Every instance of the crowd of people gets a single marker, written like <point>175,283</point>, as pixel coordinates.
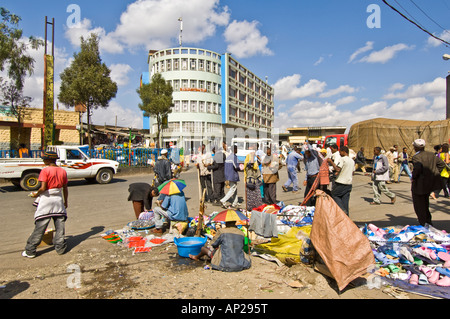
<point>330,169</point>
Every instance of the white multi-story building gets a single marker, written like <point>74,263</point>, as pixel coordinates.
<point>211,92</point>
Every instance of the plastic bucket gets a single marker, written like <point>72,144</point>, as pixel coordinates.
<point>189,245</point>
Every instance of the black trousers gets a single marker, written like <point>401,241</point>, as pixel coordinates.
<point>309,183</point>
<point>421,205</point>
<point>219,192</point>
<point>341,195</point>
<point>205,182</point>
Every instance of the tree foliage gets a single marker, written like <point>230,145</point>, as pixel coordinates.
<point>156,100</point>
<point>87,80</point>
<point>13,49</point>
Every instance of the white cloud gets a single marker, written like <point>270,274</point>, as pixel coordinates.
<point>319,61</point>
<point>396,86</point>
<point>340,89</point>
<point>345,100</point>
<point>107,42</point>
<point>444,35</point>
<point>119,73</point>
<point>34,84</point>
<point>288,88</point>
<point>245,40</point>
<point>367,47</point>
<point>125,117</point>
<point>386,54</point>
<point>434,88</point>
<point>153,24</point>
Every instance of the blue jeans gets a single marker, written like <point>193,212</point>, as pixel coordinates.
<point>292,177</point>
<point>404,167</point>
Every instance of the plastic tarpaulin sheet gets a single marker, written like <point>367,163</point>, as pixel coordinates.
<point>342,246</point>
<point>385,133</point>
<point>286,245</point>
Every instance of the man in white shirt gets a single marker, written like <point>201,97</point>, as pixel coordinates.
<point>336,157</point>
<point>204,160</point>
<point>343,183</point>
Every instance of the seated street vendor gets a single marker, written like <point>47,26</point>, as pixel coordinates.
<point>226,250</point>
<point>172,207</point>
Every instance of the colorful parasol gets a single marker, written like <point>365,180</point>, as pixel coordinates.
<point>173,186</point>
<point>229,215</point>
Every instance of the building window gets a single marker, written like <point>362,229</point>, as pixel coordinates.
<point>201,65</point>
<point>232,111</point>
<point>193,64</point>
<point>194,106</point>
<point>201,107</point>
<point>193,84</point>
<point>185,106</point>
<point>232,92</point>
<point>176,107</point>
<point>176,85</point>
<point>176,65</point>
<point>242,97</point>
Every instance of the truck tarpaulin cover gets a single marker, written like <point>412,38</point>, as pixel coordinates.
<point>385,133</point>
<point>344,249</point>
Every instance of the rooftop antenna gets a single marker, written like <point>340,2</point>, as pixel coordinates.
<point>181,30</point>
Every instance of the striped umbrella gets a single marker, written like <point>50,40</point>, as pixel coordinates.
<point>173,186</point>
<point>229,215</point>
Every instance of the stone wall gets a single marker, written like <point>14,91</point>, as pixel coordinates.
<point>66,132</point>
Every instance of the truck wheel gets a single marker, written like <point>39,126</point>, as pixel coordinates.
<point>30,182</point>
<point>104,176</point>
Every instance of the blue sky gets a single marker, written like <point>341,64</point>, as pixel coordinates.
<point>328,67</point>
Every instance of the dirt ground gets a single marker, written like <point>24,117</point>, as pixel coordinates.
<point>110,271</point>
<point>97,269</point>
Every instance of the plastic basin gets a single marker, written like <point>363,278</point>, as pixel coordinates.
<point>189,245</point>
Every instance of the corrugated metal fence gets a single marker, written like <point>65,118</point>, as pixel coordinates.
<point>138,157</point>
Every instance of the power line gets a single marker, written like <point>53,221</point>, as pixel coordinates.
<point>416,24</point>
<point>429,16</point>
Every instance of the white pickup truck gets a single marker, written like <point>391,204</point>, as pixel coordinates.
<point>24,172</point>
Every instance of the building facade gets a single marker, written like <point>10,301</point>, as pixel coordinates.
<point>29,132</point>
<point>211,93</point>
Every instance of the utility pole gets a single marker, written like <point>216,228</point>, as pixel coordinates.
<point>47,136</point>
<point>446,57</point>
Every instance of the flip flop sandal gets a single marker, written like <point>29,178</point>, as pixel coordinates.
<point>444,282</point>
<point>414,280</point>
<point>444,256</point>
<point>423,280</point>
<point>393,268</point>
<point>434,277</point>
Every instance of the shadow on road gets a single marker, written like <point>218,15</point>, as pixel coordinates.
<point>13,288</point>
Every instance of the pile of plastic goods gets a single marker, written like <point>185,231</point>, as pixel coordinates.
<point>417,255</point>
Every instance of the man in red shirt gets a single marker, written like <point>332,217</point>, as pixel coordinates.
<point>51,204</point>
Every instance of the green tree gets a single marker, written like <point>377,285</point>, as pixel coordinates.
<point>156,100</point>
<point>87,80</point>
<point>13,97</point>
<point>13,49</point>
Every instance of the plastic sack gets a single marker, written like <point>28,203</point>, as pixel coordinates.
<point>306,249</point>
<point>344,249</point>
<point>286,245</point>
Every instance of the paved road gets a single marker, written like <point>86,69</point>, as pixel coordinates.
<point>95,208</point>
